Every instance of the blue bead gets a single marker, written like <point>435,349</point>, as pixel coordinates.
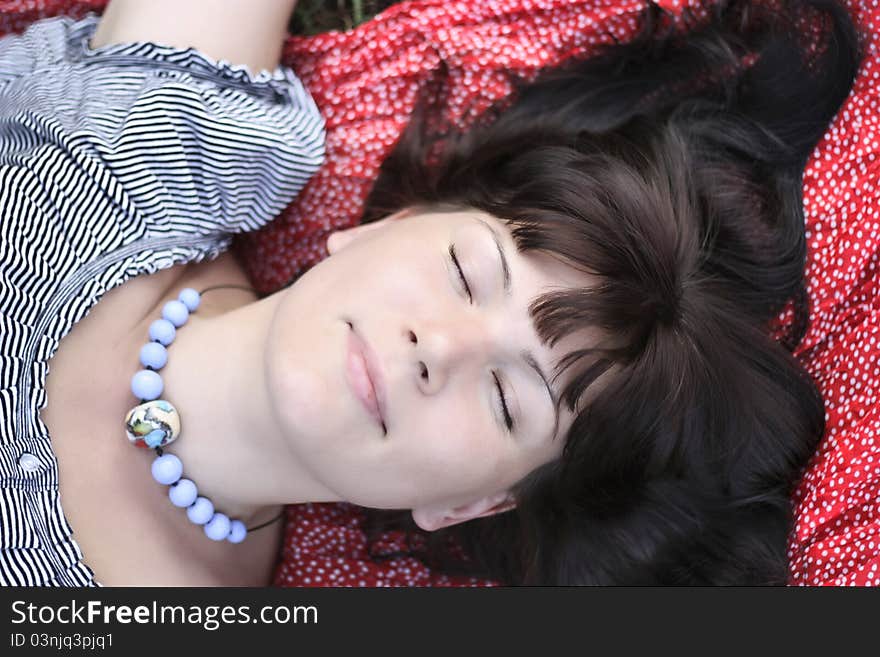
<point>154,355</point>
<point>201,511</point>
<point>167,469</point>
<point>217,528</point>
<point>162,331</point>
<point>190,298</point>
<point>176,313</point>
<point>237,531</point>
<point>147,385</point>
<point>183,493</point>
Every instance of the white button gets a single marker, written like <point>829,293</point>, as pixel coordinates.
<point>29,463</point>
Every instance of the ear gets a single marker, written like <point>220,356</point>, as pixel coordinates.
<point>430,519</point>
<point>339,239</point>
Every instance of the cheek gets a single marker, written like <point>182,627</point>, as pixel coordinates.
<point>457,448</point>
<point>466,453</point>
<point>405,274</point>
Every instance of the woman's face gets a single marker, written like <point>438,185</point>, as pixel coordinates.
<point>441,346</point>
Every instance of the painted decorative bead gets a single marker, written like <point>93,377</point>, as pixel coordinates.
<point>147,385</point>
<point>163,332</point>
<point>217,528</point>
<point>237,532</point>
<point>154,355</point>
<point>201,511</point>
<point>183,493</point>
<point>175,312</point>
<point>144,420</point>
<point>167,469</point>
<point>190,298</point>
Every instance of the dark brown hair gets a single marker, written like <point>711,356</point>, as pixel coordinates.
<point>671,169</point>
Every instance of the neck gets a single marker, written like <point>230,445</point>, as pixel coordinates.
<point>230,443</point>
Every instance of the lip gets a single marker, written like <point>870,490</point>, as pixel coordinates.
<point>365,377</point>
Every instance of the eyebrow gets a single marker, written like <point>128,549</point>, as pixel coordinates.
<point>525,354</point>
<point>505,266</point>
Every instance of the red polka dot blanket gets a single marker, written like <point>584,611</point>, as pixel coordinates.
<point>366,83</point>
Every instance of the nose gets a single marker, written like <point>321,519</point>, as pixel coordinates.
<point>443,347</point>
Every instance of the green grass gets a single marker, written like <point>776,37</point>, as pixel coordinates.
<point>314,16</point>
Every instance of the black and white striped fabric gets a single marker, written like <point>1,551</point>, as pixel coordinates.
<point>115,162</point>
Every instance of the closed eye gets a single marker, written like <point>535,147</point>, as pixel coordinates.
<point>508,420</point>
<point>467,288</point>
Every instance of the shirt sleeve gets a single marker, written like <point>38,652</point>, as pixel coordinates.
<point>188,140</point>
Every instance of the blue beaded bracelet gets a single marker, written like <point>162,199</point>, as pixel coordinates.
<point>155,423</point>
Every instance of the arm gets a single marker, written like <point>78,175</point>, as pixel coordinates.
<point>249,32</point>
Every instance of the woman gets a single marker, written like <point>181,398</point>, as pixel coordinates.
<point>428,386</point>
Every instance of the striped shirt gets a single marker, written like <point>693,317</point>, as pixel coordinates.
<point>115,162</point>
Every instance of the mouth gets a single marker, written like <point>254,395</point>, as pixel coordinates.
<point>365,378</point>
